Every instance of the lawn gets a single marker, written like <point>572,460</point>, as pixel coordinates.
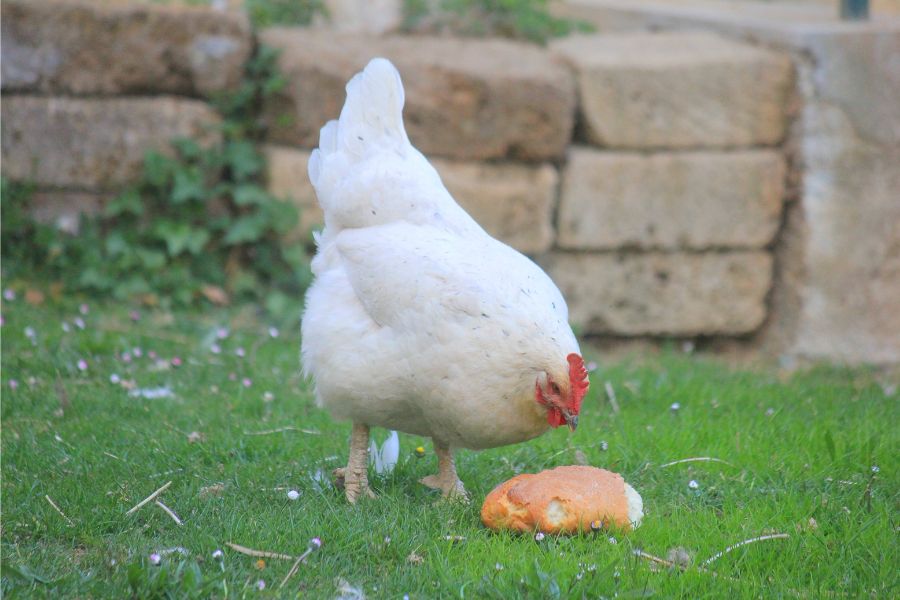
<point>811,455</point>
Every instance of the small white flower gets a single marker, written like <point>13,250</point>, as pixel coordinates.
<point>268,396</point>
<point>693,484</point>
<point>538,536</point>
<point>222,333</point>
<point>273,332</point>
<point>137,352</point>
<point>114,378</point>
<point>260,585</point>
<point>240,352</point>
<point>770,412</point>
<point>498,566</point>
<point>9,294</point>
<point>29,332</point>
<point>79,322</point>
<point>218,555</point>
<point>215,349</point>
<point>13,384</point>
<point>84,309</point>
<point>675,407</point>
<point>580,575</point>
<point>293,494</point>
<point>315,543</point>
<point>65,327</point>
<point>875,469</point>
<point>604,446</point>
<point>613,541</point>
<point>155,559</point>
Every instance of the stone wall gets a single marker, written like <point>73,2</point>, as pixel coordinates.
<point>650,173</point>
<point>837,288</point>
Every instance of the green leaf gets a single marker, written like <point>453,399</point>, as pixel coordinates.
<point>242,159</point>
<point>128,202</point>
<point>250,193</point>
<point>189,185</point>
<point>158,169</point>
<point>151,259</point>
<point>187,148</point>
<point>284,216</point>
<point>116,244</point>
<point>177,236</point>
<point>248,228</point>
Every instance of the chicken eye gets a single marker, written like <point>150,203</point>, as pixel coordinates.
<point>554,388</point>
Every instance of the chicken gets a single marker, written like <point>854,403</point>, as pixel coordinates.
<point>417,319</point>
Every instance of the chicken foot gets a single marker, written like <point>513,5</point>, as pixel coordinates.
<point>446,479</point>
<point>355,476</point>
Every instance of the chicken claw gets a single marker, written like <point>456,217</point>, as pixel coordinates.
<point>446,479</point>
<point>355,477</point>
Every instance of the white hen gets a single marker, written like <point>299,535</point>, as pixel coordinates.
<point>418,320</point>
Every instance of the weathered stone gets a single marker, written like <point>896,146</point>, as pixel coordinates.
<point>850,292</point>
<point>514,203</point>
<point>94,48</point>
<point>664,294</point>
<point>465,99</point>
<point>678,90</point>
<point>286,177</point>
<point>64,209</point>
<point>364,16</point>
<point>94,143</point>
<point>670,200</point>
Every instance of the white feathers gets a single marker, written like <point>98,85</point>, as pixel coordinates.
<point>384,459</point>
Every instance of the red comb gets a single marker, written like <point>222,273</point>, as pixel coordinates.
<point>578,381</point>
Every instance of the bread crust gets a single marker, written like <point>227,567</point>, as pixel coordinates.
<point>561,500</point>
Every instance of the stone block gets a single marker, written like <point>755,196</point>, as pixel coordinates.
<point>465,98</point>
<point>514,203</point>
<point>102,48</point>
<point>664,294</point>
<point>678,90</point>
<point>94,143</point>
<point>671,200</point>
<point>286,178</point>
<point>64,209</point>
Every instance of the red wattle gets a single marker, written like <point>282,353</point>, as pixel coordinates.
<point>555,417</point>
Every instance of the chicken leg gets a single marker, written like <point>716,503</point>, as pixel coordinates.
<point>446,479</point>
<point>355,475</point>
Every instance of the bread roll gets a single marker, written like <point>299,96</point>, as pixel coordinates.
<point>563,500</point>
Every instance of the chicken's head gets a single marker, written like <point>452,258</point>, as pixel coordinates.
<point>562,392</point>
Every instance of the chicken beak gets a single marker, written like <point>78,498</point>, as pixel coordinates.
<point>571,421</point>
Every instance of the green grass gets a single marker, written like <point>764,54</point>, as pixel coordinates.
<point>808,458</point>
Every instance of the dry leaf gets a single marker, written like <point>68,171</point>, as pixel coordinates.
<point>34,297</point>
<point>414,558</point>
<point>212,490</point>
<point>215,294</point>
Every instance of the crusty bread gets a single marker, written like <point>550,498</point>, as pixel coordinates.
<point>562,500</point>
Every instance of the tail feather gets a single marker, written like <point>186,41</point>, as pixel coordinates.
<point>373,112</point>
<point>371,120</point>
